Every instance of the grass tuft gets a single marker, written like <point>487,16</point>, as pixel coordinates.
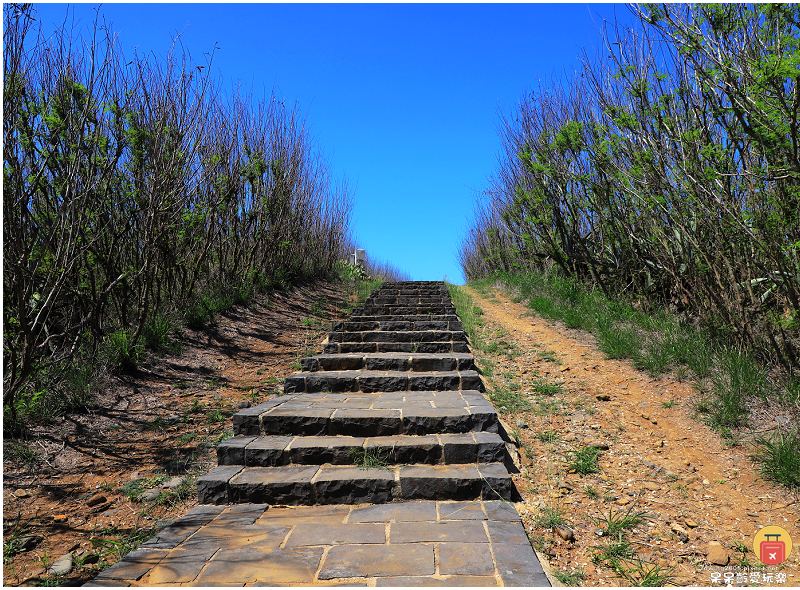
<point>584,460</point>
<point>778,458</point>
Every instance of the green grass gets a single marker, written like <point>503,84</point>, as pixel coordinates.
<point>619,342</point>
<point>549,517</point>
<point>615,523</point>
<point>646,575</point>
<point>508,401</point>
<point>547,436</point>
<point>133,489</point>
<point>549,355</point>
<point>12,539</point>
<point>778,457</point>
<point>22,454</point>
<point>370,458</point>
<point>573,578</point>
<point>583,460</point>
<point>614,550</point>
<point>160,334</point>
<point>547,389</point>
<point>120,352</point>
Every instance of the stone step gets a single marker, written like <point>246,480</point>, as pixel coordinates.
<point>422,324</point>
<point>405,310</point>
<point>433,449</point>
<point>365,414</point>
<point>416,362</point>
<point>342,484</point>
<point>408,318</point>
<point>408,300</point>
<point>374,381</point>
<point>399,336</point>
<point>389,347</point>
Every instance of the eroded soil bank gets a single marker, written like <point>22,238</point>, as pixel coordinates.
<point>105,474</point>
<point>659,459</point>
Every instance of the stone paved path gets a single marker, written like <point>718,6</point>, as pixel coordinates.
<point>383,465</point>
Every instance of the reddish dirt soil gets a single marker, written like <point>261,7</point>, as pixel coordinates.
<point>660,459</point>
<point>164,420</point>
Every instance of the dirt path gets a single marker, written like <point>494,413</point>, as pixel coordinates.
<point>659,459</point>
<point>159,425</point>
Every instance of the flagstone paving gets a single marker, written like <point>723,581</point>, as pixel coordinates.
<point>383,466</point>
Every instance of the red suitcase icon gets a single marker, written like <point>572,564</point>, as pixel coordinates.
<point>772,552</point>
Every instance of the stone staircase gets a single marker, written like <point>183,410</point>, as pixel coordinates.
<point>392,411</point>
<point>382,465</point>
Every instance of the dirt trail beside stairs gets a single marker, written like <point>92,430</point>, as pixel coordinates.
<point>659,459</point>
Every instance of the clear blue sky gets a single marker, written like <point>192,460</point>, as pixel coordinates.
<point>403,98</point>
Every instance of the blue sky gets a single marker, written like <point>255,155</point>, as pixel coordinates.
<point>403,99</point>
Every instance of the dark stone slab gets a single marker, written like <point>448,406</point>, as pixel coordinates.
<point>507,532</point>
<point>460,448</point>
<point>408,449</point>
<point>465,531</point>
<point>444,381</point>
<point>377,382</point>
<point>351,485</point>
<point>295,384</point>
<point>389,362</point>
<point>180,565</point>
<point>133,566</point>
<point>307,421</point>
<point>252,565</point>
<point>448,581</point>
<point>396,326</point>
<point>440,482</point>
<point>212,488</point>
<point>309,364</point>
<point>240,515</point>
<point>355,561</point>
<point>355,422</point>
<point>515,559</point>
<point>336,534</point>
<point>426,420</point>
<point>403,512</point>
<point>334,381</point>
<point>231,451</point>
<point>339,362</point>
<point>499,510</point>
<point>461,511</point>
<point>466,559</point>
<point>289,484</point>
<point>173,535</point>
<point>526,580</point>
<point>247,421</point>
<point>315,450</point>
<point>484,420</point>
<point>268,451</point>
<point>471,380</point>
<point>425,364</point>
<point>497,482</point>
<point>490,447</point>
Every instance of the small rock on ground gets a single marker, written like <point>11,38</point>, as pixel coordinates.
<point>62,566</point>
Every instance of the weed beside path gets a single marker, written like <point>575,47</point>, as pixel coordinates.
<point>616,459</point>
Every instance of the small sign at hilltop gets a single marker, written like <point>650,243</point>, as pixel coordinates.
<point>358,257</point>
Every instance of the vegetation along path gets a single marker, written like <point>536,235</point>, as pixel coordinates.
<point>381,464</point>
<point>620,483</point>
